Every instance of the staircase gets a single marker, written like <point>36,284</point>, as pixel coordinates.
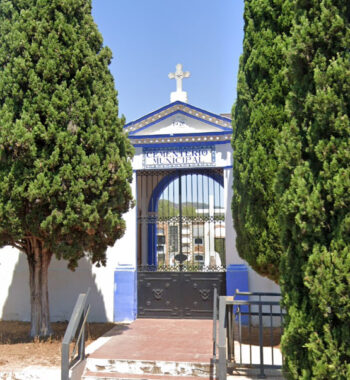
<point>154,349</point>
<point>146,370</point>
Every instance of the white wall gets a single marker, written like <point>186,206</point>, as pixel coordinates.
<point>259,283</point>
<point>14,290</point>
<point>256,282</point>
<point>65,285</point>
<point>232,256</point>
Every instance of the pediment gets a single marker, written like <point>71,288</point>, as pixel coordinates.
<point>178,118</point>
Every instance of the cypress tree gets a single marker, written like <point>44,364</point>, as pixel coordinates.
<point>64,160</point>
<point>314,185</point>
<point>258,117</point>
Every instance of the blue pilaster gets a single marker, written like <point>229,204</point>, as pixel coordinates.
<point>237,278</point>
<point>125,294</point>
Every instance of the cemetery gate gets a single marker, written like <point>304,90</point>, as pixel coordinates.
<point>181,242</point>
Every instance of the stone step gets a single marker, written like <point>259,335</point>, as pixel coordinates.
<point>124,376</point>
<point>109,367</point>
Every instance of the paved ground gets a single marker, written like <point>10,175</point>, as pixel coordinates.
<point>188,340</point>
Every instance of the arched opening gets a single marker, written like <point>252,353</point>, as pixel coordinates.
<point>185,218</point>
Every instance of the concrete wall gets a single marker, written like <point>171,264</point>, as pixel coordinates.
<point>256,282</point>
<point>65,285</point>
<point>64,288</point>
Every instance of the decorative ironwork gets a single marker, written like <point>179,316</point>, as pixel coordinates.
<point>157,293</point>
<point>185,217</point>
<point>176,268</point>
<point>178,294</point>
<point>181,231</point>
<point>154,219</point>
<point>204,294</point>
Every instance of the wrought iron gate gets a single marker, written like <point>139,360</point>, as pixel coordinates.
<point>181,235</point>
<point>178,294</point>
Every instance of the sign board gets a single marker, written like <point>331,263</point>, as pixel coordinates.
<point>178,157</point>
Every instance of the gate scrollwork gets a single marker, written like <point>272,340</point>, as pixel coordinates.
<point>204,294</point>
<point>157,294</point>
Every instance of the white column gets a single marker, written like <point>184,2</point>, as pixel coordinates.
<point>232,256</point>
<point>211,226</point>
<point>125,280</point>
<point>126,247</point>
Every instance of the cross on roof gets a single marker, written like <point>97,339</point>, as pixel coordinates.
<point>179,75</point>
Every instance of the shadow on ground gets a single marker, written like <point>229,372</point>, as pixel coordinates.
<point>15,332</point>
<point>117,329</point>
<point>250,335</point>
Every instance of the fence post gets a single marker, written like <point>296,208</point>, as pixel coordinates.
<point>222,370</point>
<point>215,318</point>
<point>261,343</point>
<point>65,362</point>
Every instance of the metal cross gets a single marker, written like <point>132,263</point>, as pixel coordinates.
<point>179,75</point>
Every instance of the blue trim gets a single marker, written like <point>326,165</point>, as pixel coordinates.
<point>152,113</point>
<point>180,144</point>
<point>183,113</point>
<point>175,104</point>
<point>125,299</point>
<point>208,121</point>
<point>179,135</point>
<point>153,205</point>
<point>223,118</point>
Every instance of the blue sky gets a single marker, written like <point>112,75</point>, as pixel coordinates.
<point>149,37</point>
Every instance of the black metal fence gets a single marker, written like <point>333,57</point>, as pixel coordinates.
<point>75,332</point>
<point>249,333</point>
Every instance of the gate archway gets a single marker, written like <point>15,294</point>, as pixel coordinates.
<point>181,234</point>
<point>189,228</point>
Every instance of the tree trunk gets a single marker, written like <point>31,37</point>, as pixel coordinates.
<point>38,260</point>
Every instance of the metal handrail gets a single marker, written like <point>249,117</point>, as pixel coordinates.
<point>75,328</point>
<point>269,294</point>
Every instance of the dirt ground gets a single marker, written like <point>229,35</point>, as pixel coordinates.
<point>18,351</point>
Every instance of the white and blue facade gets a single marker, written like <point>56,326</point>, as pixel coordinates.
<point>178,136</point>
